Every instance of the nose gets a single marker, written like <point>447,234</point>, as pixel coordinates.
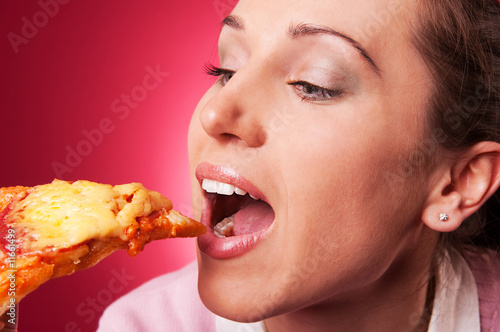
<point>234,114</point>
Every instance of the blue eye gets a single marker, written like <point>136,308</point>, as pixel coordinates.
<point>224,74</point>
<point>311,92</point>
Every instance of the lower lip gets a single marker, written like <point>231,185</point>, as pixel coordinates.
<point>227,247</point>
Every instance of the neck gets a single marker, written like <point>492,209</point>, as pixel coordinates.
<point>401,300</point>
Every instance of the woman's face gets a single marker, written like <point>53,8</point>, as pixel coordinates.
<point>318,108</point>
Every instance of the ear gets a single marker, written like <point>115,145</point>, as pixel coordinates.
<point>468,181</point>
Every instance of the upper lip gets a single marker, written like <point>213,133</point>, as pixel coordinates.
<point>227,175</point>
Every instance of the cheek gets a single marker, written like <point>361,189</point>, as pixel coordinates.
<point>340,207</point>
<point>331,165</point>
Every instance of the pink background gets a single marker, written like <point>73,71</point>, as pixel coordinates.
<point>62,81</point>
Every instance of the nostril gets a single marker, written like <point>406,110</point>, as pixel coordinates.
<point>229,137</point>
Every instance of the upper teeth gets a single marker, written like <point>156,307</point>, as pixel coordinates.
<point>222,188</point>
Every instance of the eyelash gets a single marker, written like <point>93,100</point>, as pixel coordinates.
<point>224,75</point>
<point>312,92</point>
<point>306,91</point>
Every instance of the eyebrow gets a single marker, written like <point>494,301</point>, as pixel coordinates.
<point>303,29</point>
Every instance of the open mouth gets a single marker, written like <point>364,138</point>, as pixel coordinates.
<point>235,212</point>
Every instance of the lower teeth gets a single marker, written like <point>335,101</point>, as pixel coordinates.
<point>224,228</point>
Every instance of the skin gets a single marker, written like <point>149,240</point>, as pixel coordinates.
<point>348,250</point>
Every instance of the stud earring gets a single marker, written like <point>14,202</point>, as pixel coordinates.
<point>443,217</point>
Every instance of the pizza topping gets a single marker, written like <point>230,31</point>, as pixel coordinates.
<point>63,214</point>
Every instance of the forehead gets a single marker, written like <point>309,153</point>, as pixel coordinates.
<point>363,17</point>
<point>381,26</point>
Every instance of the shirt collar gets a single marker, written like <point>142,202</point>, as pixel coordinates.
<point>456,304</point>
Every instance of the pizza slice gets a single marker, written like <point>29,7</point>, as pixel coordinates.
<point>52,230</point>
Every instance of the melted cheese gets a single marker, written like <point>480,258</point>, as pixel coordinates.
<point>63,214</point>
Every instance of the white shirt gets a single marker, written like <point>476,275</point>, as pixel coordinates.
<point>456,304</point>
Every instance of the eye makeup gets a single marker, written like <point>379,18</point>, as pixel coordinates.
<point>224,75</point>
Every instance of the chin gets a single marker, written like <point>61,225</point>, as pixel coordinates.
<point>234,305</point>
<point>226,293</point>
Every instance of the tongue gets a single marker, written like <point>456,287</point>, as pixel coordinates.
<point>252,218</point>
